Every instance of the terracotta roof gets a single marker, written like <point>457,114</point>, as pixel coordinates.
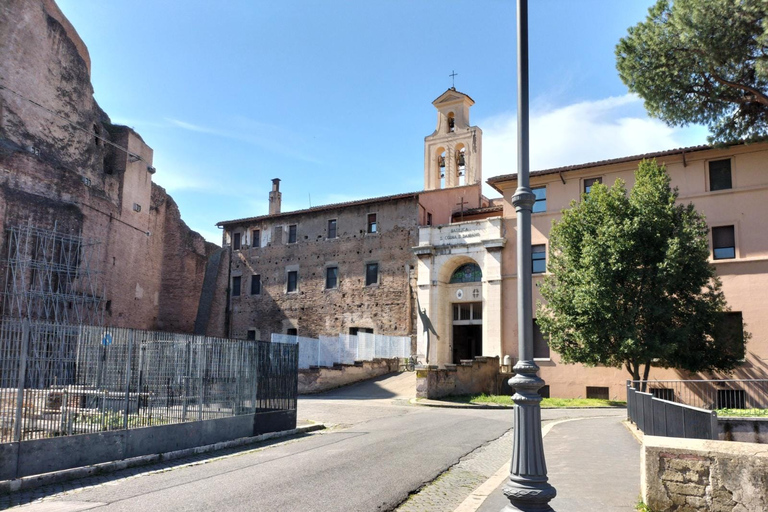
<point>319,208</point>
<point>454,90</point>
<point>600,163</point>
<point>477,211</point>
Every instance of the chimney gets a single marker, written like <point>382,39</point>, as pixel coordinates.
<point>275,197</point>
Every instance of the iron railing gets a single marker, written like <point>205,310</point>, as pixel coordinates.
<point>346,348</point>
<point>658,417</point>
<point>711,394</point>
<point>60,380</point>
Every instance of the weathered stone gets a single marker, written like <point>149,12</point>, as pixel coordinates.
<point>691,474</point>
<point>87,176</point>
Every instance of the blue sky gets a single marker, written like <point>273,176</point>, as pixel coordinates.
<point>334,97</point>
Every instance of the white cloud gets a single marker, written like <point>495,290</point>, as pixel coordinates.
<point>583,132</point>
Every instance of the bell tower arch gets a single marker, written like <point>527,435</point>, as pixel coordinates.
<point>453,153</point>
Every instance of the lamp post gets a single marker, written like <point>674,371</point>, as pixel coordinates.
<point>527,488</point>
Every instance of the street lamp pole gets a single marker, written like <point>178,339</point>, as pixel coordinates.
<point>527,488</point>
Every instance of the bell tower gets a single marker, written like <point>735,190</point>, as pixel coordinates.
<point>453,153</point>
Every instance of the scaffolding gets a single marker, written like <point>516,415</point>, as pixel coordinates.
<point>53,277</point>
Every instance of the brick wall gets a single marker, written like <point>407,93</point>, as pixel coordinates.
<point>59,174</point>
<point>314,310</point>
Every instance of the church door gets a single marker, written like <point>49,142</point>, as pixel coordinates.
<point>467,330</point>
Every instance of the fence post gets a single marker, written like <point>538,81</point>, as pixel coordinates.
<point>128,380</point>
<point>714,425</point>
<point>22,379</point>
<point>186,377</point>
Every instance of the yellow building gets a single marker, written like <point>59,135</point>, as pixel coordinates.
<point>728,185</point>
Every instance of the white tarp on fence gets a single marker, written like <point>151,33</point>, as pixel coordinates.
<point>346,348</point>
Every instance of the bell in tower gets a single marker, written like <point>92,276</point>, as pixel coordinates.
<point>452,154</point>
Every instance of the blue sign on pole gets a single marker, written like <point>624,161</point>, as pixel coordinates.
<point>107,339</point>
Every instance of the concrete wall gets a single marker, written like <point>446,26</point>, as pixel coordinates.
<point>58,453</point>
<point>687,475</point>
<point>317,380</point>
<point>745,278</point>
<point>743,430</point>
<point>477,376</point>
<point>53,174</point>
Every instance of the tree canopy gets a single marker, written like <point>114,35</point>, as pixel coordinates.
<point>702,61</point>
<point>630,285</point>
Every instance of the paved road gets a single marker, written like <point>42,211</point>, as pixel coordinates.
<point>381,449</point>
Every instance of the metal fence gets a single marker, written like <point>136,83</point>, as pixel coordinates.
<point>658,417</point>
<point>346,348</point>
<point>711,394</point>
<point>58,380</point>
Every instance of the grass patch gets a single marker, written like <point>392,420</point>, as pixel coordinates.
<point>642,507</point>
<point>550,403</point>
<point>743,413</point>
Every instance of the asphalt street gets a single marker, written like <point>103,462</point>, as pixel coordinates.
<point>380,449</point>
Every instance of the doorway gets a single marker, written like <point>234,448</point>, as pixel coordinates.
<point>467,331</point>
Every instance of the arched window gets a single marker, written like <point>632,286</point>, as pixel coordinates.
<point>441,166</point>
<point>467,273</point>
<point>451,122</point>
<point>461,168</point>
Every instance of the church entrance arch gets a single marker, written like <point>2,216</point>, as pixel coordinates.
<point>465,286</point>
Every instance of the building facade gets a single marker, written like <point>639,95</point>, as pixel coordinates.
<point>729,186</point>
<point>349,267</point>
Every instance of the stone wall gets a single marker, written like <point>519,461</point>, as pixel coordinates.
<point>744,430</point>
<point>313,309</point>
<point>686,475</point>
<point>471,377</point>
<point>88,177</point>
<point>317,380</point>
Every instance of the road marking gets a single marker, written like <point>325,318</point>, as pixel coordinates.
<point>479,495</point>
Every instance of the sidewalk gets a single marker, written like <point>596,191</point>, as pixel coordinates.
<point>594,463</point>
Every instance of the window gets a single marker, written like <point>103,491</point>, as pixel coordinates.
<point>292,234</point>
<point>236,241</point>
<point>598,392</point>
<point>251,335</point>
<point>589,182</point>
<point>292,331</point>
<point>331,277</point>
<point>371,273</point>
<point>467,273</point>
<point>136,207</point>
<point>541,199</point>
<point>720,174</point>
<point>429,219</point>
<point>372,225</point>
<point>538,259</point>
<point>277,233</point>
<point>355,330</point>
<point>332,228</point>
<point>293,281</point>
<point>236,286</point>
<point>255,284</point>
<point>729,334</point>
<point>467,313</point>
<point>723,243</point>
<point>540,345</point>
<point>256,235</point>
<point>663,394</point>
<point>731,399</point>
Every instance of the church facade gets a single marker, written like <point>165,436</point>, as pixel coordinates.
<point>350,267</point>
<point>440,264</point>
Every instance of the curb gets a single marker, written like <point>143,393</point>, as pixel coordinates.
<point>426,402</point>
<point>55,477</point>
